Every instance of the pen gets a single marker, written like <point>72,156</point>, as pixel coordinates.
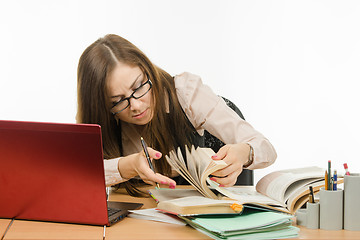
<point>331,184</point>
<point>143,144</point>
<point>335,181</point>
<point>311,195</point>
<point>346,169</point>
<point>329,175</point>
<point>152,195</point>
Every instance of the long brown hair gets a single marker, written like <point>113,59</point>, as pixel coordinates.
<point>164,132</point>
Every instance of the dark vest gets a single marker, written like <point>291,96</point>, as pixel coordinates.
<point>210,141</point>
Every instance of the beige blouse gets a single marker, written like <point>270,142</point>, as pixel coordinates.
<point>206,111</point>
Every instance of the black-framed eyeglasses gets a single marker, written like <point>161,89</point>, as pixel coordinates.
<point>138,93</point>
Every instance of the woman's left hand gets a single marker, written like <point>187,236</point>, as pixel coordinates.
<point>235,155</point>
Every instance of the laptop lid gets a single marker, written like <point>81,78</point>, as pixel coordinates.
<point>53,172</point>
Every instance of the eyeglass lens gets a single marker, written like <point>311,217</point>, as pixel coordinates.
<point>138,93</point>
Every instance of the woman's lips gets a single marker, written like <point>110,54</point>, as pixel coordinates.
<point>140,115</point>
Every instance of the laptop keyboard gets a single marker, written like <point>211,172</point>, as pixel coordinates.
<point>112,211</point>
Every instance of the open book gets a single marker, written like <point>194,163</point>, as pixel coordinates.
<point>284,190</point>
<point>198,167</point>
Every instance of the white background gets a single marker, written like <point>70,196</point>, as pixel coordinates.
<point>292,67</point>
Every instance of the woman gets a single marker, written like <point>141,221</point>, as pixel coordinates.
<point>129,97</point>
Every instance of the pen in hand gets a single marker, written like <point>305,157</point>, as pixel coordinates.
<point>143,144</point>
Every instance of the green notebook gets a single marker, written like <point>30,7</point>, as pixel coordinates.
<point>289,232</point>
<point>252,224</point>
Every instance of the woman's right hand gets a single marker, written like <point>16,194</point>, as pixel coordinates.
<point>137,165</point>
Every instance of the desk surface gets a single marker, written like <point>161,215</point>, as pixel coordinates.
<point>131,228</point>
<point>3,225</point>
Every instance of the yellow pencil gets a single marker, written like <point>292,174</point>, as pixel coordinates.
<point>326,180</point>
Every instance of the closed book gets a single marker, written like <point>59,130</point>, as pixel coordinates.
<point>196,205</point>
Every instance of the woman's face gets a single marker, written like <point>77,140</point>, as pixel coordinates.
<point>121,83</point>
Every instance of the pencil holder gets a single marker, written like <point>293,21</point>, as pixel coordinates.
<point>312,215</point>
<point>331,209</point>
<point>351,202</point>
<point>301,217</point>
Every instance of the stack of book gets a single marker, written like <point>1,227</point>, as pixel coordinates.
<point>224,219</point>
<point>263,212</point>
<point>251,224</point>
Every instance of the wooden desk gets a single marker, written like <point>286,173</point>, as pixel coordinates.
<point>306,233</point>
<point>4,223</point>
<point>170,231</point>
<point>47,230</point>
<point>131,228</point>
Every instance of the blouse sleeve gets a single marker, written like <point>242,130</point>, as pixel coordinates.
<point>207,111</point>
<point>112,175</point>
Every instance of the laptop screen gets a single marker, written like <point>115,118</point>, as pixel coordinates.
<point>52,172</point>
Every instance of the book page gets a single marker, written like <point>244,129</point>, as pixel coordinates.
<point>193,164</point>
<point>275,184</point>
<point>202,157</point>
<point>178,164</point>
<point>301,195</point>
<point>198,162</point>
<point>180,158</point>
<point>164,194</point>
<point>196,205</point>
<point>213,167</point>
<point>244,194</point>
<point>304,189</point>
<point>250,195</point>
<point>153,215</point>
<point>300,184</point>
<point>195,201</point>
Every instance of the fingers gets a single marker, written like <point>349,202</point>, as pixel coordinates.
<point>152,178</point>
<point>227,181</point>
<point>221,153</point>
<point>153,153</point>
<point>234,155</point>
<point>227,176</point>
<point>148,175</point>
<point>163,180</point>
<point>233,166</point>
<point>224,171</point>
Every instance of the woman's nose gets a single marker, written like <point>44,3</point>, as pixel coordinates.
<point>135,103</point>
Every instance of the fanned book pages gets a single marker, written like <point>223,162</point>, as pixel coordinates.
<point>198,167</point>
<point>284,190</point>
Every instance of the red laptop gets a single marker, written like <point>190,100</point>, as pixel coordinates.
<point>55,172</point>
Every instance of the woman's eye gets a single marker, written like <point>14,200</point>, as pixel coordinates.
<point>140,83</point>
<point>138,86</point>
<point>116,102</point>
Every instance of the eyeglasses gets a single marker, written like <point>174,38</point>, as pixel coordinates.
<point>138,93</point>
